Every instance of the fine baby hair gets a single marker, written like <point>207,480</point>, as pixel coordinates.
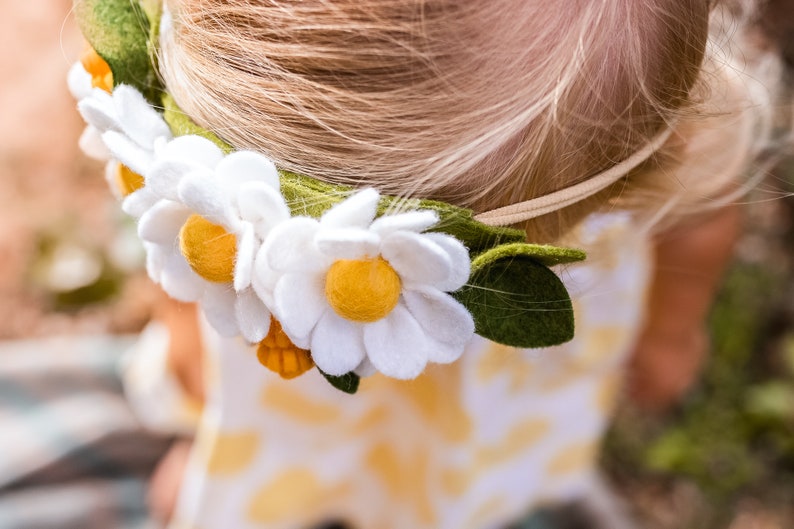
<point>482,104</point>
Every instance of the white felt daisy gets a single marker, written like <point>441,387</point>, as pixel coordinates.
<point>81,87</point>
<point>132,131</point>
<point>203,234</point>
<point>357,290</point>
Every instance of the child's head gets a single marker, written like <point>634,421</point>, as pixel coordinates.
<point>478,103</point>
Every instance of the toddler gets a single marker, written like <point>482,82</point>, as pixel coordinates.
<point>585,124</point>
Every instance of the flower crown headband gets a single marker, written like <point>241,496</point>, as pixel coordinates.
<point>312,273</point>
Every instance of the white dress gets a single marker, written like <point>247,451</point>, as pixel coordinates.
<point>475,444</point>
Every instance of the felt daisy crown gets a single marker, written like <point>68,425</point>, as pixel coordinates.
<point>309,273</point>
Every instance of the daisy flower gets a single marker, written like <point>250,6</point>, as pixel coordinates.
<point>203,233</point>
<point>356,290</point>
<point>130,130</point>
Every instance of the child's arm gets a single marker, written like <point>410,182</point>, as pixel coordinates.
<point>688,265</point>
<point>185,352</point>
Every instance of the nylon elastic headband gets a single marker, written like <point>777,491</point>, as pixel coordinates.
<point>530,209</point>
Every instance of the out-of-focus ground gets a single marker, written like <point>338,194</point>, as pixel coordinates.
<point>58,223</point>
<point>723,459</point>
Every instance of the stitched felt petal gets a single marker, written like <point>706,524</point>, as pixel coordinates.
<point>218,305</point>
<point>98,110</point>
<point>252,315</point>
<point>459,256</point>
<point>290,247</point>
<point>247,166</point>
<point>137,118</point>
<point>397,345</point>
<point>205,196</point>
<point>193,149</point>
<point>337,347</point>
<point>79,81</point>
<point>441,316</point>
<point>164,176</point>
<point>365,368</point>
<point>127,152</point>
<point>155,260</point>
<point>244,261</point>
<point>263,278</point>
<point>299,303</point>
<point>347,243</point>
<point>416,259</point>
<point>262,205</point>
<point>139,202</point>
<point>356,211</point>
<point>179,280</point>
<point>416,221</point>
<point>91,144</point>
<point>161,224</point>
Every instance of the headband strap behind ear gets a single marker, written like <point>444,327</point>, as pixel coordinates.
<point>536,207</point>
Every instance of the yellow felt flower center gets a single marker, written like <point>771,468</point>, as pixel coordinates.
<point>209,249</point>
<point>101,76</point>
<point>277,353</point>
<point>362,290</point>
<point>128,180</point>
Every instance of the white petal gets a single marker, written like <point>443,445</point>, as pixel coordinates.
<point>165,174</point>
<point>252,315</point>
<point>337,347</point>
<point>194,150</point>
<point>397,345</point>
<point>98,110</point>
<point>79,81</point>
<point>416,221</point>
<point>365,369</point>
<point>290,247</point>
<point>179,280</point>
<point>459,257</point>
<point>161,224</point>
<point>218,304</point>
<point>137,118</point>
<point>244,261</point>
<point>356,211</point>
<point>156,258</point>
<point>262,206</point>
<point>443,353</point>
<point>247,166</point>
<point>209,199</point>
<point>139,202</point>
<point>264,279</point>
<point>299,303</point>
<point>91,144</point>
<point>443,318</point>
<point>111,177</point>
<point>127,152</point>
<point>348,243</point>
<point>416,258</point>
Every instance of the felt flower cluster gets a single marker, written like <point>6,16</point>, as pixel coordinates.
<point>351,291</point>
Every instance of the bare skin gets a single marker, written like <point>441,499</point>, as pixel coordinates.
<point>674,344</point>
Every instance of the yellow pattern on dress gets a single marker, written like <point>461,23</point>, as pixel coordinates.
<point>473,444</point>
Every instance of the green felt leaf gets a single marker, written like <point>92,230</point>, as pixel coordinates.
<point>517,301</point>
<point>347,383</point>
<point>541,253</point>
<point>119,32</point>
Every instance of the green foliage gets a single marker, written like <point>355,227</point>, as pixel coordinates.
<point>734,436</point>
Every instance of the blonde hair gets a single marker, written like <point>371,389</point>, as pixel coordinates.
<point>477,103</point>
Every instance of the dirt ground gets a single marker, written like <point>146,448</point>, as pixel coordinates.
<point>48,189</point>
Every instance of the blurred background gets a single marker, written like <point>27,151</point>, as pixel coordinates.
<point>70,267</point>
